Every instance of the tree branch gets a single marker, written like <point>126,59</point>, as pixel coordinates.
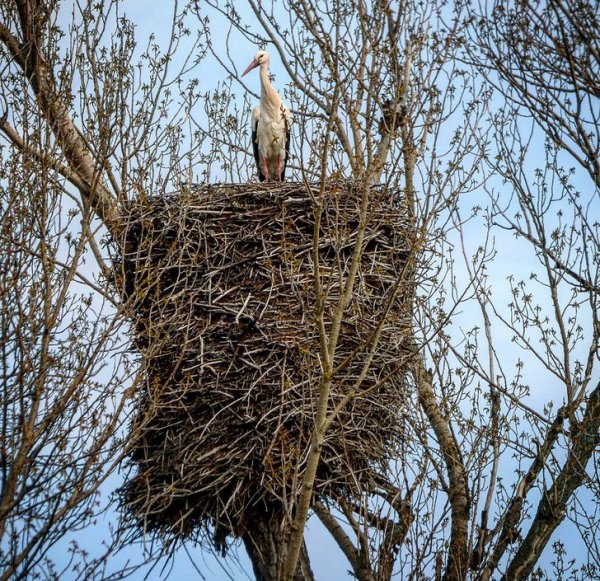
<point>362,572</point>
<point>512,516</point>
<point>553,506</point>
<point>53,107</point>
<point>457,563</point>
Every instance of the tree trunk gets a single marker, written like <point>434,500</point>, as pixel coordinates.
<point>267,546</point>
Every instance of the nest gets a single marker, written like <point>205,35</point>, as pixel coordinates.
<point>220,281</point>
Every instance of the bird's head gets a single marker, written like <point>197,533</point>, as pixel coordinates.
<point>260,58</point>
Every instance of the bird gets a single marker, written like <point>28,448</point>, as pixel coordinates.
<point>392,117</point>
<point>271,122</point>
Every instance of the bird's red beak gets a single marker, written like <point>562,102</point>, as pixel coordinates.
<point>251,66</point>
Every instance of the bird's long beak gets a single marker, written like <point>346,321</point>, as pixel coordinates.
<point>251,66</point>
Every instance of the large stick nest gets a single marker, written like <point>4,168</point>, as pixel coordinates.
<point>221,285</point>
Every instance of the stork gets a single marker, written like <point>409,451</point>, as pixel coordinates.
<point>271,122</point>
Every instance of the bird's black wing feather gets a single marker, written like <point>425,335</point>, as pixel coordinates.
<point>287,148</point>
<point>261,176</point>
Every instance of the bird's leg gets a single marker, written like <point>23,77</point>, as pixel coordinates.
<point>279,168</point>
<point>266,172</point>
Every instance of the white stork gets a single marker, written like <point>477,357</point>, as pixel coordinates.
<point>271,122</point>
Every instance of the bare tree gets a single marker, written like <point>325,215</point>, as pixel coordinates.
<point>77,120</point>
<point>386,94</point>
<point>543,58</point>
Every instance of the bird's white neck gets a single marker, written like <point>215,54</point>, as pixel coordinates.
<point>268,94</point>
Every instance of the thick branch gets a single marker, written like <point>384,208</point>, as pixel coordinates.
<point>362,572</point>
<point>458,494</point>
<point>267,549</point>
<point>553,506</point>
<point>512,516</point>
<point>54,109</point>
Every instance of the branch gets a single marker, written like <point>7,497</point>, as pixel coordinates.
<point>344,542</point>
<point>43,158</point>
<point>458,494</point>
<point>54,109</point>
<point>395,532</point>
<point>553,506</point>
<point>64,171</point>
<point>512,516</point>
<point>396,115</point>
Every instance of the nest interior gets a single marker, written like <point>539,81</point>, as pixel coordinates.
<point>219,282</point>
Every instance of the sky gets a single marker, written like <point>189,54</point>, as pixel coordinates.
<point>328,563</point>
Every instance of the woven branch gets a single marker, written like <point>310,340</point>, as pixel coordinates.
<point>220,283</point>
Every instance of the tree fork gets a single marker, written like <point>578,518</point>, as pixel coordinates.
<point>267,547</point>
